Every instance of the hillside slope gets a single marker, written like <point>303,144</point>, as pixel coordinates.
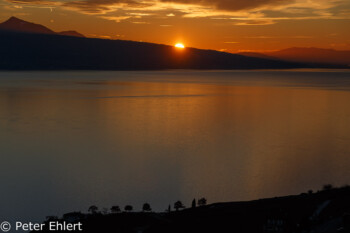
<point>25,51</point>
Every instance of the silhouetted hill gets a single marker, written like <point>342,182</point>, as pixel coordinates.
<point>71,33</point>
<point>324,211</point>
<point>30,46</point>
<point>318,55</point>
<point>25,51</point>
<point>16,24</point>
<point>259,55</point>
<point>307,55</point>
<point>19,25</point>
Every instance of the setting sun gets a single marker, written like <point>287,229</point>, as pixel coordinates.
<point>179,45</point>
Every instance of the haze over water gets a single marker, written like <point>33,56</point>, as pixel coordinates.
<point>69,140</point>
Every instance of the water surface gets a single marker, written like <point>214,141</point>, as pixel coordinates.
<point>72,139</point>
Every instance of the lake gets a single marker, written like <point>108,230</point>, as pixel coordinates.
<point>69,140</point>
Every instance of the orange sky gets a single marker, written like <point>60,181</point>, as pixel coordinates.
<point>227,25</point>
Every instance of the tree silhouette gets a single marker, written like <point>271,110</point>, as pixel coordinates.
<point>202,201</point>
<point>146,207</point>
<point>194,203</point>
<point>327,187</point>
<point>93,209</point>
<point>178,205</point>
<point>128,208</point>
<point>169,209</point>
<point>115,209</point>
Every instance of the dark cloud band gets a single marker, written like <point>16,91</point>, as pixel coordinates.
<point>100,6</point>
<point>233,5</point>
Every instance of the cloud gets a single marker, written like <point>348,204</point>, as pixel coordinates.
<point>254,22</point>
<point>139,22</point>
<point>240,12</point>
<point>279,37</point>
<point>232,5</point>
<point>116,18</point>
<point>35,2</point>
<point>86,6</point>
<point>102,6</point>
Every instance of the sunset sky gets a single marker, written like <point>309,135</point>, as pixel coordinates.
<point>226,25</point>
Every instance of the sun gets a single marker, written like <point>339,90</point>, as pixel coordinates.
<point>180,46</point>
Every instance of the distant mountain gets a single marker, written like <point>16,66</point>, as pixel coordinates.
<point>30,46</point>
<point>71,33</point>
<point>19,25</point>
<point>308,55</point>
<point>27,51</point>
<point>135,55</point>
<point>16,24</point>
<point>259,55</point>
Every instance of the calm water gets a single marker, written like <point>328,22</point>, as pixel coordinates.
<point>72,139</point>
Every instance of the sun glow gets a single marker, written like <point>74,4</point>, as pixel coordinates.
<point>180,46</point>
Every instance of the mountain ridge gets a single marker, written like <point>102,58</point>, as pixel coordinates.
<point>25,51</point>
<point>307,54</point>
<point>29,46</point>
<point>310,55</point>
<point>19,25</point>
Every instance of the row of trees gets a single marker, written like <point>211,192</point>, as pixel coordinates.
<point>116,209</point>
<point>178,205</point>
<point>146,207</point>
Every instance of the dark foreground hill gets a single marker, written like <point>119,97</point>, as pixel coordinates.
<point>324,211</point>
<point>26,51</point>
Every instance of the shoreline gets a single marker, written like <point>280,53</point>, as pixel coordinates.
<point>323,211</point>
